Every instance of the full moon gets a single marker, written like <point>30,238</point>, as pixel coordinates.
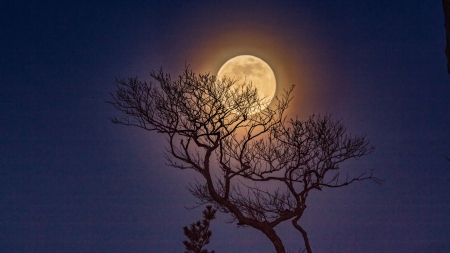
<point>252,70</point>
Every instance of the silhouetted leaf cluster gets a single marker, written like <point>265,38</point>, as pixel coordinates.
<point>198,233</point>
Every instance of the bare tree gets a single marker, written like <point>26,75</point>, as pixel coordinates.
<point>211,129</point>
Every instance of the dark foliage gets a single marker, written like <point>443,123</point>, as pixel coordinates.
<point>198,233</point>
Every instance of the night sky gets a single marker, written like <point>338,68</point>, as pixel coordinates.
<point>71,181</point>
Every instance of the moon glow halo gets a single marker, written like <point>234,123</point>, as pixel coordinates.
<point>251,69</point>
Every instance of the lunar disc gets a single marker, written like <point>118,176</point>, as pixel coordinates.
<point>252,69</point>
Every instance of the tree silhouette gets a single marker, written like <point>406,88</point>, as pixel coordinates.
<point>446,7</point>
<point>198,233</point>
<point>211,129</point>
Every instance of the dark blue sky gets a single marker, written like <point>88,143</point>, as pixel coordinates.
<point>71,181</point>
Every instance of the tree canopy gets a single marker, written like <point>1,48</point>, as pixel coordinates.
<point>213,130</point>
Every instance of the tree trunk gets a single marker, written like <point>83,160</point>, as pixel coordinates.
<point>304,234</point>
<point>446,7</point>
<point>276,241</point>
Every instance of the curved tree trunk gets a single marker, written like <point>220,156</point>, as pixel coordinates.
<point>276,241</point>
<point>304,234</point>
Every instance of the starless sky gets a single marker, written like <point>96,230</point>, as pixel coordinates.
<point>70,181</point>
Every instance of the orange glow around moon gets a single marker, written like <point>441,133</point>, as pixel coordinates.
<point>251,69</point>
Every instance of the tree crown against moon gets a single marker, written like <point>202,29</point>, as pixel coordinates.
<point>252,71</point>
<point>211,129</point>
